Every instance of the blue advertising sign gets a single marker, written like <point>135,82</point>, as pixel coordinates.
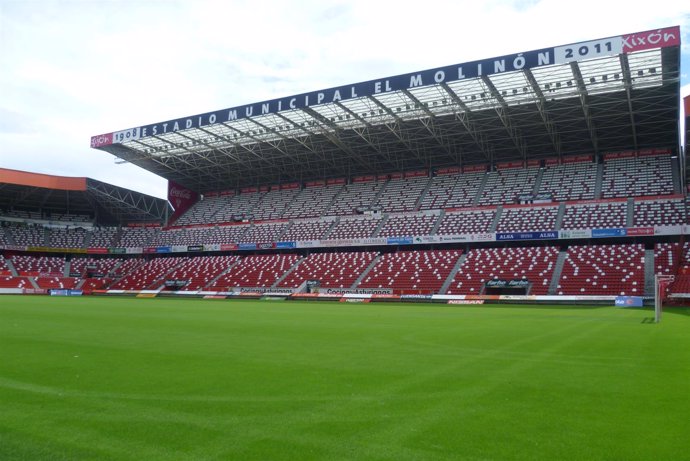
<point>628,301</point>
<point>399,241</point>
<point>546,235</point>
<point>163,249</point>
<point>246,246</point>
<point>286,244</point>
<point>613,232</point>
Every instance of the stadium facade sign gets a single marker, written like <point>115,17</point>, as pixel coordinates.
<point>611,46</point>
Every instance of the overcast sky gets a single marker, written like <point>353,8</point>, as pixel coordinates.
<point>73,69</point>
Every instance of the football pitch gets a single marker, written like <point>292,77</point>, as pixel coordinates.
<point>167,379</point>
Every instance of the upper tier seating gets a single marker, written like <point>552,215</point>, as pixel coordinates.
<point>355,227</point>
<point>312,201</point>
<point>4,240</point>
<point>35,265</point>
<point>603,270</point>
<point>274,204</point>
<point>659,212</point>
<point>570,181</point>
<point>202,212</point>
<point>264,233</point>
<point>135,237</point>
<point>416,271</point>
<point>595,216</point>
<point>541,218</point>
<point>104,237</point>
<point>66,238</point>
<point>335,270</point>
<point>635,177</point>
<point>200,270</point>
<point>355,196</point>
<point>467,222</point>
<point>237,207</point>
<point>408,225</point>
<point>28,235</point>
<point>535,264</point>
<point>452,191</point>
<point>149,275</point>
<point>504,186</point>
<point>255,271</point>
<point>402,194</point>
<point>307,230</point>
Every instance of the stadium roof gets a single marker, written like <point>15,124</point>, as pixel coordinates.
<point>616,93</point>
<point>20,190</point>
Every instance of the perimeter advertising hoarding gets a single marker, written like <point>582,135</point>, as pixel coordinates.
<point>610,46</point>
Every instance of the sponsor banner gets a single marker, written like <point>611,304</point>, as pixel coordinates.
<point>399,241</point>
<point>657,38</point>
<point>485,237</point>
<point>212,247</point>
<point>356,296</point>
<point>117,251</point>
<point>613,232</point>
<point>427,239</point>
<point>246,246</point>
<point>518,298</point>
<point>357,291</point>
<point>178,249</point>
<point>228,246</point>
<point>308,244</point>
<point>165,249</point>
<point>54,292</point>
<point>377,296</point>
<point>149,250</point>
<point>262,290</point>
<point>546,235</point>
<point>575,234</point>
<point>355,300</point>
<point>134,251</point>
<point>196,248</point>
<point>669,230</point>
<point>180,198</point>
<point>465,301</point>
<point>15,248</point>
<point>101,140</point>
<point>447,297</point>
<point>286,244</point>
<point>628,301</point>
<point>11,291</point>
<point>56,250</point>
<point>419,297</point>
<point>635,231</point>
<point>97,251</point>
<point>265,245</point>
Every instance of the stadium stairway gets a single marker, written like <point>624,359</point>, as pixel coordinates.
<point>437,224</point>
<point>537,181</point>
<point>288,272</point>
<point>87,240</point>
<point>649,272</point>
<point>380,226</point>
<point>222,273</point>
<point>420,199</point>
<point>558,268</point>
<point>630,213</point>
<point>497,218</point>
<point>597,185</point>
<point>559,216</point>
<point>66,270</point>
<point>330,229</point>
<point>480,190</point>
<point>364,273</point>
<point>11,267</point>
<point>454,270</point>
<point>675,175</point>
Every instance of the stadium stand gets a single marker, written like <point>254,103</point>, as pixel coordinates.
<point>274,204</point>
<point>313,201</point>
<point>199,271</point>
<point>332,270</point>
<point>30,235</point>
<point>39,265</point>
<point>149,275</point>
<point>504,186</point>
<point>667,258</point>
<point>535,264</point>
<point>255,271</point>
<point>414,272</point>
<point>66,238</point>
<point>307,230</point>
<point>603,269</point>
<point>542,218</point>
<point>659,212</point>
<point>595,215</point>
<point>408,225</point>
<point>400,194</point>
<point>452,190</point>
<point>355,197</point>
<point>570,181</point>
<point>467,222</point>
<point>264,233</point>
<point>355,227</point>
<point>104,237</point>
<point>137,236</point>
<point>635,177</point>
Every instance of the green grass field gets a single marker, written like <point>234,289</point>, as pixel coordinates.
<point>166,379</point>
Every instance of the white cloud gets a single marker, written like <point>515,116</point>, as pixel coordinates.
<point>72,69</point>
